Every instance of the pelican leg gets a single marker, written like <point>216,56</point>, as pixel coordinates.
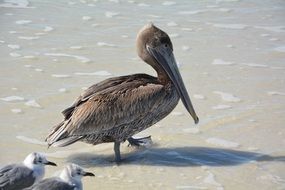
<point>140,142</point>
<point>117,152</point>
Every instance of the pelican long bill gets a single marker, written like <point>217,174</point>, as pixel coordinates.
<point>164,56</point>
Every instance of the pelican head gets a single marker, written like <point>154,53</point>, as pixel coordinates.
<point>155,48</point>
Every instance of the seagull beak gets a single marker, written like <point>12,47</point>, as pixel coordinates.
<point>88,174</point>
<point>50,163</point>
<point>165,58</point>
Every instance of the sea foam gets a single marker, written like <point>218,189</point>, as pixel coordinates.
<point>109,14</point>
<point>168,3</point>
<point>272,93</point>
<point>22,22</point>
<point>280,49</point>
<point>221,62</point>
<point>229,26</point>
<point>30,140</point>
<point>12,99</point>
<point>255,65</point>
<point>222,142</point>
<point>272,28</point>
<point>33,103</point>
<point>199,96</point>
<point>16,110</point>
<point>79,58</point>
<point>15,4</point>
<point>104,44</point>
<point>227,97</point>
<point>28,37</point>
<point>14,46</point>
<point>60,76</point>
<point>97,73</point>
<point>221,107</point>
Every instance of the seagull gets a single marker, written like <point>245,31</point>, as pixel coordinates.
<point>117,108</point>
<point>19,176</point>
<point>69,179</point>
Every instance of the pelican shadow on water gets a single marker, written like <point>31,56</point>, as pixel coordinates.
<point>117,108</point>
<point>179,157</point>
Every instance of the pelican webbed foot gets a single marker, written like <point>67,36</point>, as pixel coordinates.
<point>140,142</point>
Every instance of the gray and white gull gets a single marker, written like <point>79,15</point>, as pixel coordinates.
<point>19,176</point>
<point>69,179</point>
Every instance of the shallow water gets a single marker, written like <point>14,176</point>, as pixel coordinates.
<point>231,56</point>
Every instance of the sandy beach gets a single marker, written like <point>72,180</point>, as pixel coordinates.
<point>231,55</point>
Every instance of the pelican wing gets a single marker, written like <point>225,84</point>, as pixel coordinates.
<point>91,91</point>
<point>112,103</point>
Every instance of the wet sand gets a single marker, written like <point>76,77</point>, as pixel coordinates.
<point>231,55</point>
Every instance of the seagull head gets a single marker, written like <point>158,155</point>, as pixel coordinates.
<point>36,159</point>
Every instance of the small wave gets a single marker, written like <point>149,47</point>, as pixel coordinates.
<point>16,110</point>
<point>28,37</point>
<point>272,28</point>
<point>172,24</point>
<point>80,58</point>
<point>33,103</point>
<point>15,4</point>
<point>229,26</point>
<point>199,96</point>
<point>110,14</point>
<point>174,35</point>
<point>98,73</point>
<point>22,22</point>
<point>30,140</point>
<point>14,54</point>
<point>86,18</point>
<point>191,187</point>
<point>192,12</point>
<point>29,57</point>
<point>143,5</point>
<point>104,44</point>
<point>221,62</point>
<point>210,179</point>
<point>39,70</point>
<point>60,76</point>
<point>255,65</point>
<point>13,32</point>
<point>272,93</point>
<point>48,29</point>
<point>62,90</point>
<point>76,47</point>
<point>168,3</point>
<point>192,130</point>
<point>175,113</point>
<point>280,49</point>
<point>227,97</point>
<point>13,99</point>
<point>185,48</point>
<point>222,142</point>
<point>221,107</point>
<point>14,46</point>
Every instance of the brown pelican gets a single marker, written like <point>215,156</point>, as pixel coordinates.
<point>117,108</point>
